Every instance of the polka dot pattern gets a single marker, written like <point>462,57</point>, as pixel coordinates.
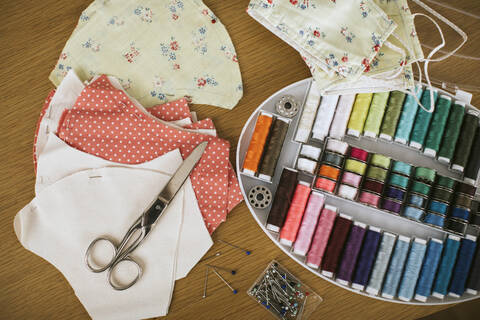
<point>104,122</point>
<point>172,111</point>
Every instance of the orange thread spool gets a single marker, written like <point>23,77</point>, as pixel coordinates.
<point>325,184</point>
<point>289,231</point>
<point>257,144</point>
<point>329,172</point>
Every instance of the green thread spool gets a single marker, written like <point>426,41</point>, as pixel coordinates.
<point>380,160</point>
<point>442,194</point>
<point>452,132</point>
<point>375,114</point>
<point>420,188</point>
<point>445,182</point>
<point>334,159</point>
<point>425,174</point>
<point>392,114</point>
<point>473,166</point>
<point>274,147</point>
<point>355,166</point>
<point>437,127</point>
<point>377,173</point>
<point>422,121</point>
<point>407,117</point>
<point>462,200</point>
<point>465,141</point>
<point>399,181</point>
<point>402,168</point>
<point>359,114</point>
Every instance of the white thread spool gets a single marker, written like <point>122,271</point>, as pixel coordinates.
<point>306,165</point>
<point>324,118</point>
<point>310,152</point>
<point>337,146</point>
<point>342,115</point>
<point>308,115</point>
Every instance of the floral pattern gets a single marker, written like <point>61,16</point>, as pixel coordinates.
<point>132,53</point>
<point>229,53</point>
<point>169,49</point>
<point>364,9</point>
<point>349,36</point>
<point>145,14</point>
<point>175,7</point>
<point>204,81</point>
<point>115,21</point>
<point>199,40</point>
<point>91,44</point>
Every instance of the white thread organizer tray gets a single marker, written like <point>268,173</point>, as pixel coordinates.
<point>371,216</point>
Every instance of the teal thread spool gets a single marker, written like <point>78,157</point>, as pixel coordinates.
<point>465,141</point>
<point>437,127</point>
<point>407,117</point>
<point>398,181</point>
<point>452,132</point>
<point>392,114</point>
<point>402,168</point>
<point>375,114</point>
<point>422,121</point>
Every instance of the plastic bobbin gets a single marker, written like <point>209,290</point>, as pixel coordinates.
<point>287,106</point>
<point>260,197</point>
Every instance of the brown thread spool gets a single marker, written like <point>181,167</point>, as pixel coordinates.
<point>273,149</point>
<point>282,199</point>
<point>463,200</point>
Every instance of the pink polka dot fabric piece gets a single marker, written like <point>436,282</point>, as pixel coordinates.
<point>106,123</point>
<point>172,111</point>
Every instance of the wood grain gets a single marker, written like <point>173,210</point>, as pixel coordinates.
<point>32,34</point>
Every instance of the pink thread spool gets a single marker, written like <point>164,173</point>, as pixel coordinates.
<point>370,199</point>
<point>358,154</point>
<point>320,239</point>
<point>351,179</point>
<point>309,222</point>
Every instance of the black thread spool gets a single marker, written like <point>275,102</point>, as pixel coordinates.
<point>473,165</point>
<point>465,141</point>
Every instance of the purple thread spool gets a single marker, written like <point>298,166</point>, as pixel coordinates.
<point>366,258</point>
<point>395,193</point>
<point>350,253</point>
<point>392,205</point>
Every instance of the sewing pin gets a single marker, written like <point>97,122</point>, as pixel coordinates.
<point>224,281</point>
<point>234,246</point>
<point>212,256</point>
<point>222,268</point>
<point>205,284</point>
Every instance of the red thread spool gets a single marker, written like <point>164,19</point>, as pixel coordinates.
<point>370,199</point>
<point>358,154</point>
<point>335,245</point>
<point>325,184</point>
<point>288,234</point>
<point>373,186</point>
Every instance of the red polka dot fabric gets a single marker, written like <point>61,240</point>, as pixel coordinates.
<point>106,123</point>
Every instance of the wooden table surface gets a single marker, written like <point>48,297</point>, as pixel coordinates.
<point>32,35</point>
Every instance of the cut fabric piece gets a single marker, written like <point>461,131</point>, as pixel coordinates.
<point>159,50</point>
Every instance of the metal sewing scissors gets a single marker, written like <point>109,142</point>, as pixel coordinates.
<point>144,224</point>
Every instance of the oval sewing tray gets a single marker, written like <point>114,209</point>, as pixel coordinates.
<point>359,212</point>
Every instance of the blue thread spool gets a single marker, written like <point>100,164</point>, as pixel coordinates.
<point>438,207</point>
<point>381,263</point>
<point>429,269</point>
<point>413,213</point>
<point>417,200</point>
<point>366,258</point>
<point>412,270</point>
<point>461,213</point>
<point>407,117</point>
<point>394,273</point>
<point>434,219</point>
<point>446,266</point>
<point>394,193</point>
<point>462,268</point>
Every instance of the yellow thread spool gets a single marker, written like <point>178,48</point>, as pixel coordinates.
<point>359,114</point>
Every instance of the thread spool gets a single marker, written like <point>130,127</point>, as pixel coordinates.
<point>456,226</point>
<point>359,114</point>
<point>449,256</point>
<point>442,194</point>
<point>282,199</point>
<point>392,115</point>
<point>310,152</point>
<point>425,174</point>
<point>394,273</point>
<point>369,199</point>
<point>355,166</point>
<point>321,236</point>
<point>375,114</point>
<point>335,245</point>
<point>260,197</point>
<point>359,154</point>
<point>434,219</point>
<point>325,184</point>
<point>475,219</point>
<point>412,270</point>
<point>329,172</point>
<point>381,263</point>
<point>273,148</point>
<point>373,186</point>
<point>394,193</point>
<point>463,265</point>
<point>407,117</point>
<point>308,114</point>
<point>288,233</point>
<point>402,168</point>
<point>420,188</point>
<point>392,205</point>
<point>347,192</point>
<point>337,146</point>
<point>466,189</point>
<point>309,222</point>
<point>377,173</point>
<point>257,144</point>
<point>461,214</point>
<point>473,283</point>
<point>438,207</point>
<point>417,200</point>
<point>340,120</point>
<point>366,258</point>
<point>437,127</point>
<point>351,179</point>
<point>350,253</point>
<point>464,201</point>
<point>452,132</point>
<point>333,159</point>
<point>465,141</point>
<point>287,106</point>
<point>429,269</point>
<point>422,121</point>
<point>380,160</point>
<point>399,181</point>
<point>324,117</point>
<point>413,213</point>
<point>445,182</point>
<point>306,165</point>
<point>473,165</point>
